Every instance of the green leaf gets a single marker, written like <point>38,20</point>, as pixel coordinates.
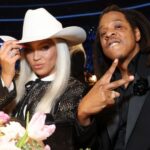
<point>22,141</point>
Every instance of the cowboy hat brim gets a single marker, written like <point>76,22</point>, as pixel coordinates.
<point>6,37</point>
<point>73,35</point>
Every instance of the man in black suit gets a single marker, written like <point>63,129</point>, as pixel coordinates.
<point>111,118</point>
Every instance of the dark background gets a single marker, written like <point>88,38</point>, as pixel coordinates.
<point>84,13</point>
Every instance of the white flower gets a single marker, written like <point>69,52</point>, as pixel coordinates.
<point>13,136</point>
<point>37,129</point>
<point>12,130</point>
<point>4,145</point>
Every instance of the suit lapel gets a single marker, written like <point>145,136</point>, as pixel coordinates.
<point>135,106</point>
<point>135,102</point>
<point>112,126</point>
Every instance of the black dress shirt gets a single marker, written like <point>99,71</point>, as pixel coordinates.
<point>122,106</point>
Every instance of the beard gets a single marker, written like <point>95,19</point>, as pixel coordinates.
<point>122,58</point>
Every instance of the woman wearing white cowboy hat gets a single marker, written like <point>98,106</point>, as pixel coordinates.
<point>44,82</point>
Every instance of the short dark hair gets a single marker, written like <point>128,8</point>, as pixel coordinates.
<point>136,20</point>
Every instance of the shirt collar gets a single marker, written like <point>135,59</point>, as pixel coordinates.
<point>50,77</point>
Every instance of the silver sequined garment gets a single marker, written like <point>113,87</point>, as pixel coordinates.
<point>67,103</point>
<point>64,137</point>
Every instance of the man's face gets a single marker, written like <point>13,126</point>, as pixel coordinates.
<point>117,38</point>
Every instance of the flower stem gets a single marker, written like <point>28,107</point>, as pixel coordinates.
<point>24,139</point>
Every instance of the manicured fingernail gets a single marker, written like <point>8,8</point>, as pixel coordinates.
<point>116,60</point>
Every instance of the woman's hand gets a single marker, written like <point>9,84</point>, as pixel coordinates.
<point>9,54</point>
<point>101,95</point>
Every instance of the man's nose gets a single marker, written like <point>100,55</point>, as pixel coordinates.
<point>110,33</point>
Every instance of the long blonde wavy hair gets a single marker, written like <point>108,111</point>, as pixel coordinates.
<point>56,89</point>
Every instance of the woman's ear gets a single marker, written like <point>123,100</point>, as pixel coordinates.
<point>137,34</point>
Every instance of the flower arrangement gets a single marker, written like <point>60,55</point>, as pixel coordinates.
<point>13,136</point>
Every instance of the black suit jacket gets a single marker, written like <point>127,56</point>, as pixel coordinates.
<point>5,96</point>
<point>138,137</point>
<point>100,135</point>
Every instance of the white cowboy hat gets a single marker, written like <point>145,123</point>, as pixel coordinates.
<point>6,37</point>
<point>39,24</point>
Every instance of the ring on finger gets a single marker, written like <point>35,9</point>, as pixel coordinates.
<point>12,53</point>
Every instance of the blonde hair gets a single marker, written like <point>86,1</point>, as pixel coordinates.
<point>77,48</point>
<point>57,87</point>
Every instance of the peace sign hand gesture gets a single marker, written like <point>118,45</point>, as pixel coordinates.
<point>101,95</point>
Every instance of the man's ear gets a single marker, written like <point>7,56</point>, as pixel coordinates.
<point>137,34</point>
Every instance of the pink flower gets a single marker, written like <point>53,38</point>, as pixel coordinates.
<point>4,118</point>
<point>47,147</point>
<point>37,129</point>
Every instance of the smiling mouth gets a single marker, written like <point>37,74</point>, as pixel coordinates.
<point>113,44</point>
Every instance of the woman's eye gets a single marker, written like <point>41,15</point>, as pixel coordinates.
<point>27,50</point>
<point>45,47</point>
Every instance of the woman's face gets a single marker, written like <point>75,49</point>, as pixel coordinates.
<point>41,56</point>
<point>117,38</point>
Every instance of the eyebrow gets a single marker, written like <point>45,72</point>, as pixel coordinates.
<point>48,41</point>
<point>27,45</point>
<point>39,43</point>
<point>115,20</point>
